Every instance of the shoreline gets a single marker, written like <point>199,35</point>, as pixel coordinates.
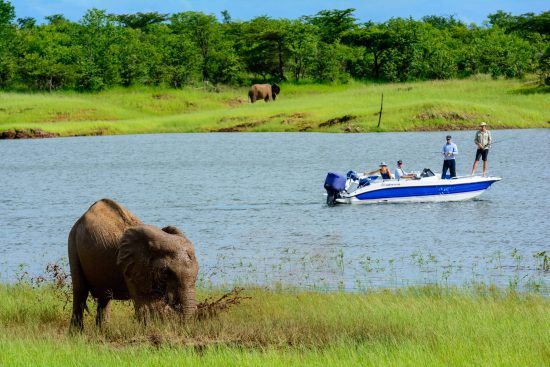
<point>41,134</point>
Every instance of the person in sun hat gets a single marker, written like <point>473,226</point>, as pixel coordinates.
<point>449,151</point>
<point>483,143</point>
<point>400,172</point>
<point>383,171</point>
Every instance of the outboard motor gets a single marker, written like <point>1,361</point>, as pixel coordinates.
<point>334,184</point>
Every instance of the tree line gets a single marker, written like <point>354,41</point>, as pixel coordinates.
<point>103,50</point>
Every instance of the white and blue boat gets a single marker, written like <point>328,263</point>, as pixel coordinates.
<point>427,187</point>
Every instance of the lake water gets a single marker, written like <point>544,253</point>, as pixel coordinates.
<point>253,205</point>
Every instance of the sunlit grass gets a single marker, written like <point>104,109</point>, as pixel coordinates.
<point>413,326</point>
<point>432,105</point>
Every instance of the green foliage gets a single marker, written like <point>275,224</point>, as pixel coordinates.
<point>544,67</point>
<point>7,13</point>
<point>190,48</point>
<point>331,24</point>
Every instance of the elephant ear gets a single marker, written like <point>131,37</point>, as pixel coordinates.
<point>173,230</point>
<point>133,259</point>
<point>139,247</point>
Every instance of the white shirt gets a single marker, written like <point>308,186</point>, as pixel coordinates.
<point>399,172</point>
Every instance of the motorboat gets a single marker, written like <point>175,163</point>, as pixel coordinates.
<point>424,187</point>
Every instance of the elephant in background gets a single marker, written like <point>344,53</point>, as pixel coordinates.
<point>114,256</point>
<point>263,91</point>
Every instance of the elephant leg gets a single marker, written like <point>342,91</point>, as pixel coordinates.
<point>80,294</point>
<point>102,311</point>
<point>141,312</point>
<point>80,291</point>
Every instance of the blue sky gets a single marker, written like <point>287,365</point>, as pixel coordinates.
<point>376,10</point>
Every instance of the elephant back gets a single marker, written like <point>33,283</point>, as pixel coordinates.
<point>95,239</point>
<point>104,223</point>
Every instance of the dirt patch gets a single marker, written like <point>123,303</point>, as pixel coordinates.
<point>444,115</point>
<point>224,120</point>
<point>305,127</point>
<point>337,121</point>
<point>292,119</point>
<point>162,96</point>
<point>240,127</point>
<point>451,121</point>
<point>27,134</point>
<point>236,102</point>
<point>99,131</point>
<point>441,127</point>
<point>84,114</point>
<point>453,126</point>
<point>352,128</point>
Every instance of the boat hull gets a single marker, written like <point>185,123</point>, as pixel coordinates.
<point>424,190</point>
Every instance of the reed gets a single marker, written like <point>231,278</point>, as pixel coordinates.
<point>428,325</point>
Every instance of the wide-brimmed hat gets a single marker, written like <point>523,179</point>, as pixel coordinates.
<point>483,124</point>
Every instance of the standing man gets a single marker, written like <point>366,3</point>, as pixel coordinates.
<point>483,142</point>
<point>449,151</point>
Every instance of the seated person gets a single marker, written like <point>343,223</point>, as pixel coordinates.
<point>383,171</point>
<point>400,172</point>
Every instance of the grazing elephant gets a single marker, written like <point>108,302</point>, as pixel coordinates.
<point>263,91</point>
<point>113,255</point>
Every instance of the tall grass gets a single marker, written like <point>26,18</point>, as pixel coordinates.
<point>432,105</point>
<point>413,326</point>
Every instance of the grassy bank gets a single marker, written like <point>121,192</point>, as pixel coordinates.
<point>421,326</point>
<point>432,105</point>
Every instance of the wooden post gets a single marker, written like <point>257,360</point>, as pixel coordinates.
<point>381,107</point>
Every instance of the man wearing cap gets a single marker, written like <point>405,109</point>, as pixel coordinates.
<point>483,142</point>
<point>400,172</point>
<point>449,151</point>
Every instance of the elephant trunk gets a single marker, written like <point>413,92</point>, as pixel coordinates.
<point>188,303</point>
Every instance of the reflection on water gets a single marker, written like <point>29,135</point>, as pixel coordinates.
<point>253,205</point>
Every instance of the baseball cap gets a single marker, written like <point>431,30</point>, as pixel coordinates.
<point>448,136</point>
<point>483,124</point>
<point>400,162</point>
<point>383,164</point>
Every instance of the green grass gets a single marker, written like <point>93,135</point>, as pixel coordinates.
<point>431,105</point>
<point>429,326</point>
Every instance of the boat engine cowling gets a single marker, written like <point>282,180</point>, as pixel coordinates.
<point>334,184</point>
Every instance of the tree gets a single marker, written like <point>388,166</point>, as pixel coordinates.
<point>302,48</point>
<point>7,13</point>
<point>7,39</point>
<point>140,20</point>
<point>205,33</point>
<point>544,67</point>
<point>375,39</point>
<point>267,46</point>
<point>26,23</point>
<point>333,23</point>
<point>48,59</point>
